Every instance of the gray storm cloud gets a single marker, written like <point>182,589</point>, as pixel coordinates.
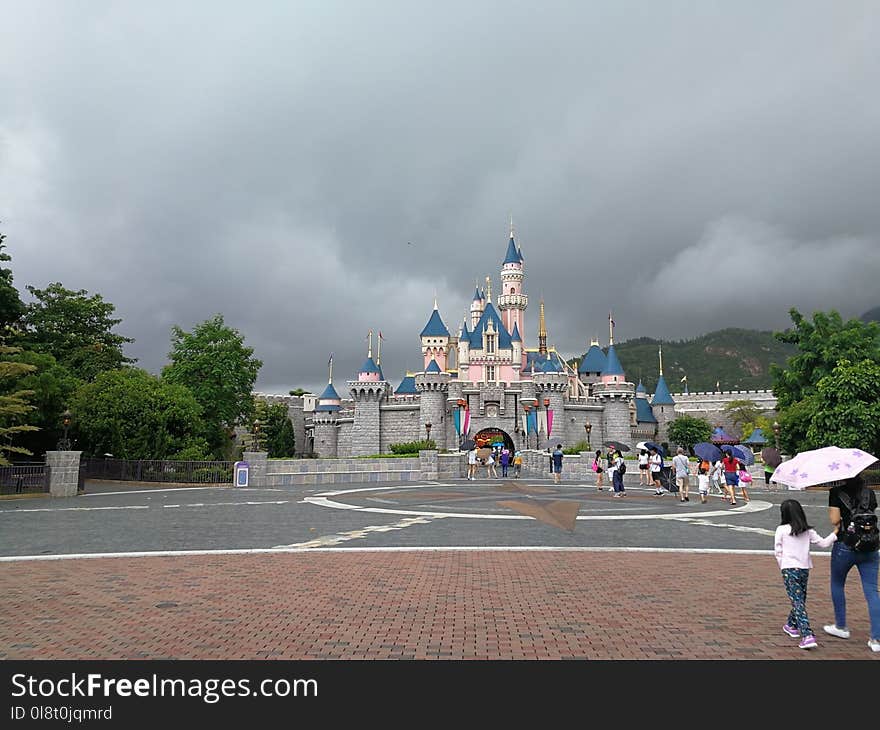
<point>316,170</point>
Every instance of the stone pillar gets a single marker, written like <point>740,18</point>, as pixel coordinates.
<point>432,388</point>
<point>258,461</point>
<point>63,472</point>
<point>365,432</point>
<point>428,463</point>
<point>326,435</point>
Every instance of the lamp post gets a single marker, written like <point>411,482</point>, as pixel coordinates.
<point>64,443</point>
<point>547,418</point>
<point>428,430</point>
<point>776,434</point>
<point>588,427</point>
<point>256,434</point>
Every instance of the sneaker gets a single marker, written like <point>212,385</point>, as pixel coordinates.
<point>808,642</point>
<point>838,632</point>
<point>874,644</point>
<point>791,631</point>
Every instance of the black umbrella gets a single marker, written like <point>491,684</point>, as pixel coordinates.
<point>616,445</point>
<point>657,447</point>
<point>468,444</point>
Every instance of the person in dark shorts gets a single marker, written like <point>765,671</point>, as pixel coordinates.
<point>557,463</point>
<point>599,468</point>
<point>644,474</point>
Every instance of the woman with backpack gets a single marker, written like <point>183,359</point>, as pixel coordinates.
<point>851,509</point>
<point>618,469</point>
<point>599,468</point>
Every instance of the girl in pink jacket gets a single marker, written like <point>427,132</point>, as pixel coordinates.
<point>792,549</point>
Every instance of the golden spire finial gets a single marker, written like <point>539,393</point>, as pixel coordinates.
<point>542,330</point>
<point>594,341</point>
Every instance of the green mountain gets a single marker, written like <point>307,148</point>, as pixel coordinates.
<point>737,359</point>
<point>872,315</point>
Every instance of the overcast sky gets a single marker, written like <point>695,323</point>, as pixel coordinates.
<point>314,170</point>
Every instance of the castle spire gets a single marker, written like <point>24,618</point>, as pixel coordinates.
<point>610,329</point>
<point>511,226</point>
<point>542,330</point>
<point>661,359</point>
<point>370,345</point>
<point>488,290</point>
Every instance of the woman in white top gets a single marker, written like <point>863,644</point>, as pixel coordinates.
<point>643,468</point>
<point>655,462</point>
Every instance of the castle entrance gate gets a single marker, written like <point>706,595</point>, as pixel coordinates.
<point>488,437</point>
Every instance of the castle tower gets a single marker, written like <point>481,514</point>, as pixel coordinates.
<point>477,307</point>
<point>662,404</point>
<point>435,340</point>
<point>464,348</point>
<point>325,420</point>
<point>594,362</point>
<point>369,391</point>
<point>616,395</point>
<point>550,386</point>
<point>512,302</point>
<point>433,386</point>
<point>517,344</point>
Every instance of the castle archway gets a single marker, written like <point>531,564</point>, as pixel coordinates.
<point>489,436</point>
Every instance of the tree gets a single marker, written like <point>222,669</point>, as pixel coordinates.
<point>11,306</point>
<point>134,415</point>
<point>14,405</point>
<point>687,431</point>
<point>214,363</point>
<point>76,329</point>
<point>53,387</point>
<point>279,432</point>
<point>298,391</point>
<point>743,412</point>
<point>846,409</point>
<point>822,344</point>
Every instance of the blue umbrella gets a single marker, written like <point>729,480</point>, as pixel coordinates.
<point>657,447</point>
<point>707,451</point>
<point>744,455</point>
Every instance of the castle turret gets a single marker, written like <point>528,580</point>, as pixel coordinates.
<point>512,302</point>
<point>517,345</point>
<point>435,340</point>
<point>550,390</point>
<point>594,362</point>
<point>325,420</point>
<point>433,386</point>
<point>464,348</point>
<point>368,392</point>
<point>477,307</point>
<point>663,405</point>
<point>616,395</point>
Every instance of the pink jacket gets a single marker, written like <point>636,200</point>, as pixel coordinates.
<point>794,552</point>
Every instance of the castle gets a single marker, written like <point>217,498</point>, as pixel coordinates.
<point>483,383</point>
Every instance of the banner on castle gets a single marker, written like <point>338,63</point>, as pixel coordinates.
<point>524,418</point>
<point>456,414</point>
<point>533,424</point>
<point>466,427</point>
<point>542,421</point>
<point>549,422</point>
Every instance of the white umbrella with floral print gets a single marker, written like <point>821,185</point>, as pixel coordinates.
<point>821,466</point>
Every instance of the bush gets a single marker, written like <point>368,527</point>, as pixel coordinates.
<point>413,447</point>
<point>577,448</point>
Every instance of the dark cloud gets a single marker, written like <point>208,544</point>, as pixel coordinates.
<point>689,166</point>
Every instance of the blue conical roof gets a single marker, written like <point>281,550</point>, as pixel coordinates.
<point>757,437</point>
<point>612,364</point>
<point>515,336</point>
<point>662,396</point>
<point>512,256</point>
<point>435,326</point>
<point>329,393</point>
<point>644,414</point>
<point>641,387</point>
<point>477,295</point>
<point>433,367</point>
<point>594,361</point>
<point>407,386</point>
<point>489,313</point>
<point>370,367</point>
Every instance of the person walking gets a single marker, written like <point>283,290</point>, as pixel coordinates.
<point>731,475</point>
<point>768,472</point>
<point>599,468</point>
<point>703,481</point>
<point>505,461</point>
<point>617,471</point>
<point>717,478</point>
<point>472,464</point>
<point>517,464</point>
<point>644,474</point>
<point>682,473</point>
<point>557,463</point>
<point>745,478</point>
<point>849,506</point>
<point>791,546</point>
<point>655,462</point>
<point>490,466</point>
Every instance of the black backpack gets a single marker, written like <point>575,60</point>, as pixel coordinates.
<point>861,534</point>
<point>622,468</point>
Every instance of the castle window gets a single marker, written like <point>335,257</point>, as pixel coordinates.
<point>490,344</point>
<point>490,373</point>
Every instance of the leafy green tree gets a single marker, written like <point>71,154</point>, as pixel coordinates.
<point>134,415</point>
<point>743,412</point>
<point>76,329</point>
<point>53,387</point>
<point>822,343</point>
<point>280,439</point>
<point>11,306</point>
<point>214,363</point>
<point>846,408</point>
<point>14,403</point>
<point>298,391</point>
<point>687,431</point>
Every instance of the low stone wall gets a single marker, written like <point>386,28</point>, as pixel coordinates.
<point>291,472</point>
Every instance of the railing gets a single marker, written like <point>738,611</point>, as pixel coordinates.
<point>26,478</point>
<point>178,472</point>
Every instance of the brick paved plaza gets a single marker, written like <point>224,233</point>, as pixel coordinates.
<point>452,570</point>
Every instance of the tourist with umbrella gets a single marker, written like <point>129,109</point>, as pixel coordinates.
<point>771,458</point>
<point>731,473</point>
<point>851,510</point>
<point>616,445</point>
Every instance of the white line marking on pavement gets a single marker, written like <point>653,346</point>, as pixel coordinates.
<point>738,528</point>
<point>328,540</point>
<point>141,506</point>
<point>157,490</point>
<point>73,509</point>
<point>225,504</point>
<point>459,548</point>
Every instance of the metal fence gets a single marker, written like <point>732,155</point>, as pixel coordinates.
<point>24,478</point>
<point>179,472</point>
